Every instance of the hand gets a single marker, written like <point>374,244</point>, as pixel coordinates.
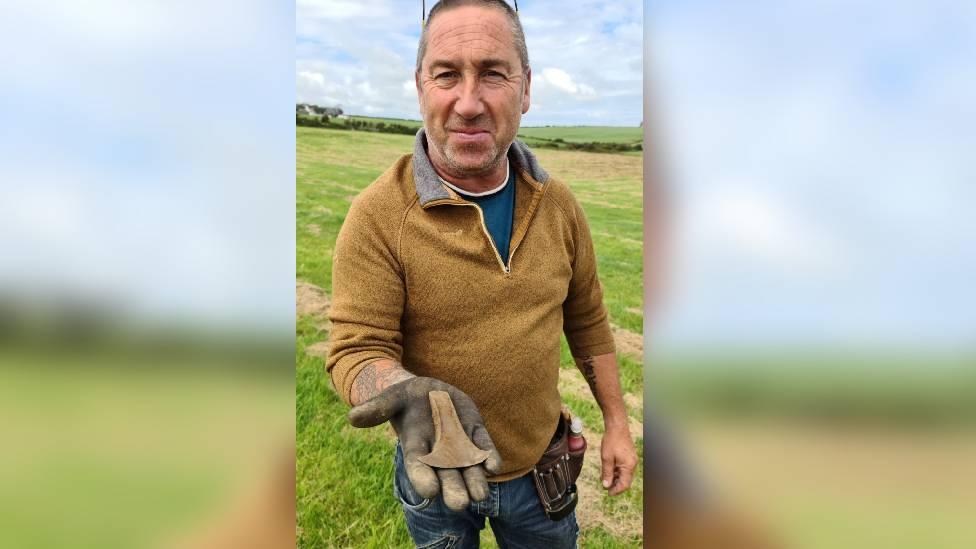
<point>407,407</point>
<point>619,460</point>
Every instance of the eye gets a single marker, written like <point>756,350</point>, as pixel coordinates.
<point>445,76</point>
<point>494,75</point>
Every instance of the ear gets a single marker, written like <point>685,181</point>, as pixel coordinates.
<point>416,81</point>
<point>525,92</point>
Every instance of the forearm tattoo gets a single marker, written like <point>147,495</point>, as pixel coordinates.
<point>586,365</point>
<point>374,378</point>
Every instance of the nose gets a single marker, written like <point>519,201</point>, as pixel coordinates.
<point>469,104</point>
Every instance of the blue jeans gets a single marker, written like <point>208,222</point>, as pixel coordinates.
<point>512,508</point>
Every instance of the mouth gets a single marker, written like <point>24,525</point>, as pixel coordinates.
<point>468,131</point>
<point>470,134</point>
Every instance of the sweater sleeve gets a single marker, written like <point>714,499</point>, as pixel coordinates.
<point>367,296</point>
<point>585,320</point>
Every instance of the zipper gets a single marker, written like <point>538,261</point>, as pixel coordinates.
<point>511,253</point>
<point>484,227</point>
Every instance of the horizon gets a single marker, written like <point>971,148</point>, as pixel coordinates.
<point>521,126</point>
<point>365,59</point>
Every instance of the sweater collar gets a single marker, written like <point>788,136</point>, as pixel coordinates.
<point>428,183</point>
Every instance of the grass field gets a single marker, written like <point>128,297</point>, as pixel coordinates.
<point>834,450</point>
<point>584,134</point>
<point>902,391</point>
<point>817,487</point>
<point>401,121</point>
<point>111,453</point>
<point>570,134</point>
<point>344,485</point>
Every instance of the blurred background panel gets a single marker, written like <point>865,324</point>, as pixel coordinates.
<point>813,339</point>
<point>146,265</point>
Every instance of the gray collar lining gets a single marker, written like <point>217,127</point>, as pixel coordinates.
<point>428,183</point>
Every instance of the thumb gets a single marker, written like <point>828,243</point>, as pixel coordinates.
<point>376,410</point>
<point>607,474</point>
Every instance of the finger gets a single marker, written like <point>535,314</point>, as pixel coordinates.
<point>467,412</point>
<point>607,471</point>
<point>474,426</point>
<point>476,482</point>
<point>421,475</point>
<point>376,410</point>
<point>625,476</point>
<point>452,489</point>
<point>481,439</point>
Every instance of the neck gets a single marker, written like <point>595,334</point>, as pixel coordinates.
<point>473,183</point>
<point>487,192</point>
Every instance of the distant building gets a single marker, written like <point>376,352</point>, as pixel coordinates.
<point>316,110</point>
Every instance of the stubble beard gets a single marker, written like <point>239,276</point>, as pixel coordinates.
<point>452,155</point>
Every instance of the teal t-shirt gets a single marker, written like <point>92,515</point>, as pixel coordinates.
<point>499,207</point>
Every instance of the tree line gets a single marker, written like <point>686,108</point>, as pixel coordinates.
<point>327,117</point>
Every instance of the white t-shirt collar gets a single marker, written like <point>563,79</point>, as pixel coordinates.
<point>484,193</point>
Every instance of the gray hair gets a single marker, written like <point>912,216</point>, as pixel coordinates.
<point>517,34</point>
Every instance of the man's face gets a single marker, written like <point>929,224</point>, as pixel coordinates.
<point>472,89</point>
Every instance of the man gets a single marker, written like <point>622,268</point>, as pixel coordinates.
<point>456,270</point>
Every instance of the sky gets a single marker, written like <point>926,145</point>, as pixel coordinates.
<point>821,160</point>
<point>820,153</point>
<point>586,58</point>
<point>147,158</point>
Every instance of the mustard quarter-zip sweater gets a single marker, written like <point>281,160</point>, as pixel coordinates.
<point>416,279</point>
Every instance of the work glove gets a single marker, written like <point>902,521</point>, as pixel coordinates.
<point>406,405</point>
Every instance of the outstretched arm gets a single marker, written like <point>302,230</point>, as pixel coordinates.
<point>617,448</point>
<point>375,377</point>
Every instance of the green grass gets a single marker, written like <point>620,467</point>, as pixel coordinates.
<point>837,449</point>
<point>109,453</point>
<point>827,488</point>
<point>344,475</point>
<point>617,236</point>
<point>586,134</point>
<point>570,134</point>
<point>324,188</point>
<point>818,522</point>
<point>401,121</point>
<point>344,488</point>
<point>881,390</point>
<point>578,134</point>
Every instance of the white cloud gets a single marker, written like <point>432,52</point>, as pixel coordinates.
<point>826,184</point>
<point>379,47</point>
<point>762,229</point>
<point>132,195</point>
<point>342,10</point>
<point>312,78</point>
<point>564,82</point>
<point>366,89</point>
<point>560,79</point>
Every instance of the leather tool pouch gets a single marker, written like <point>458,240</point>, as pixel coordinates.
<point>556,472</point>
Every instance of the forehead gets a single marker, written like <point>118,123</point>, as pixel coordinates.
<point>470,33</point>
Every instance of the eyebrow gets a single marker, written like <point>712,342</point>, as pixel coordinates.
<point>483,64</point>
<point>490,63</point>
<point>442,64</point>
